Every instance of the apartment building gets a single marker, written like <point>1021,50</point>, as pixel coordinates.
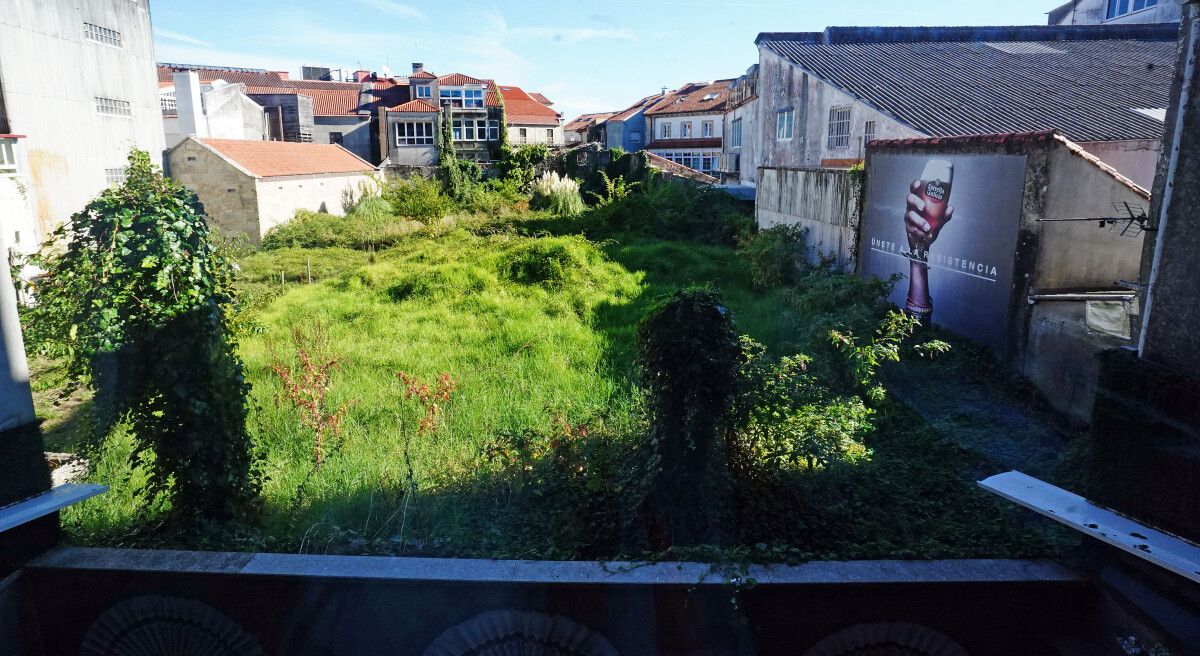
<point>91,97</point>
<point>687,125</point>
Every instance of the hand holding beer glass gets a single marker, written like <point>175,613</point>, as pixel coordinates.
<point>927,210</point>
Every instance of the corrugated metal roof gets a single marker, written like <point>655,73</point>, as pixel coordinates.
<point>1084,82</point>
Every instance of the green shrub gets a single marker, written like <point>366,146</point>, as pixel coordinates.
<point>775,255</point>
<point>357,230</point>
<point>557,195</point>
<point>550,262</point>
<point>672,209</point>
<point>414,197</point>
<point>519,165</point>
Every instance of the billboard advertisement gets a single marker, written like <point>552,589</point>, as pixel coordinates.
<point>948,225</point>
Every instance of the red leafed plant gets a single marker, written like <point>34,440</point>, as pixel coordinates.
<point>430,398</point>
<point>307,389</point>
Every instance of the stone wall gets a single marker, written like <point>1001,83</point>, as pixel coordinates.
<point>229,195</point>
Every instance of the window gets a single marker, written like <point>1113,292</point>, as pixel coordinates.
<point>8,157</point>
<point>470,129</point>
<point>113,107</point>
<point>1118,8</point>
<point>167,102</point>
<point>414,133</point>
<point>784,119</point>
<point>549,135</point>
<point>685,129</point>
<point>114,176</point>
<point>839,128</point>
<point>108,37</point>
<point>635,137</point>
<point>735,133</point>
<point>493,130</point>
<point>706,129</point>
<point>522,136</point>
<point>424,91</point>
<point>473,98</point>
<point>868,132</point>
<point>335,137</point>
<point>665,131</point>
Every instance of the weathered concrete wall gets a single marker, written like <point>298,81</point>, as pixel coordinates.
<point>824,201</point>
<point>229,194</point>
<point>51,76</point>
<point>1093,12</point>
<point>748,151</point>
<point>782,85</point>
<point>228,114</point>
<point>279,198</point>
<point>1136,159</point>
<point>356,133</point>
<point>1064,338</point>
<point>1084,254</point>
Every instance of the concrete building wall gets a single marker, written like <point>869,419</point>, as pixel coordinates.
<point>1094,12</point>
<point>292,120</point>
<point>229,195</point>
<point>1082,254</point>
<point>824,202</point>
<point>51,75</point>
<point>783,86</point>
<point>751,144</point>
<point>535,134</point>
<point>1136,159</point>
<point>279,198</point>
<point>629,135</point>
<point>228,114</point>
<point>17,220</point>
<point>355,130</point>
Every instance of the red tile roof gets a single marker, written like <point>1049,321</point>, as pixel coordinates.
<point>424,75</point>
<point>694,98</point>
<point>585,121</point>
<point>648,101</point>
<point>521,109</point>
<point>329,98</point>
<point>267,159</point>
<point>414,106</point>
<point>542,99</point>
<point>385,92</point>
<point>249,77</point>
<point>458,79</point>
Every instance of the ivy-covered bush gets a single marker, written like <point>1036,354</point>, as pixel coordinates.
<point>359,231</point>
<point>775,254</point>
<point>519,165</point>
<point>671,209</point>
<point>690,354</point>
<point>139,298</point>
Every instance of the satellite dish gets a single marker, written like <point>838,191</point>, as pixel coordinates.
<point>157,625</point>
<point>527,633</point>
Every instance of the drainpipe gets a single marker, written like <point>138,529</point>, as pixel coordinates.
<point>1185,97</point>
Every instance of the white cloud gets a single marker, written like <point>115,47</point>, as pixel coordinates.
<point>396,9</point>
<point>176,36</point>
<point>568,35</point>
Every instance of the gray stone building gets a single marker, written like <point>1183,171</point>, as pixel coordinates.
<point>249,187</point>
<point>77,81</point>
<point>743,139</point>
<point>824,95</point>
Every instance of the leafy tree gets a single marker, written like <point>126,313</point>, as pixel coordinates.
<point>690,354</point>
<point>458,176</point>
<point>139,301</point>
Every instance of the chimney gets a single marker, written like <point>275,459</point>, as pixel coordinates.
<point>361,75</point>
<point>189,104</point>
<point>283,75</point>
<point>418,67</point>
<point>664,91</point>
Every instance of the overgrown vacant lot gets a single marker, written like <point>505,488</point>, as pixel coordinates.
<point>536,448</point>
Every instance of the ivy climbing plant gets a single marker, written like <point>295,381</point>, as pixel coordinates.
<point>139,299</point>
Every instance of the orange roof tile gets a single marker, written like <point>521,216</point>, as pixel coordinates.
<point>423,75</point>
<point>458,79</point>
<point>542,99</point>
<point>267,159</point>
<point>585,121</point>
<point>646,102</point>
<point>414,106</point>
<point>521,109</point>
<point>694,98</point>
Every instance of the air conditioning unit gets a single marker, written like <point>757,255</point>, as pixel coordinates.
<point>728,162</point>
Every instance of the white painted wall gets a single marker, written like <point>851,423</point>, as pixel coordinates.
<point>751,144</point>
<point>535,134</point>
<point>676,122</point>
<point>50,78</point>
<point>1093,12</point>
<point>280,197</point>
<point>17,221</point>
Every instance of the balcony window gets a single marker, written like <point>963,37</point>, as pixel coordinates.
<point>735,133</point>
<point>414,133</point>
<point>523,136</point>
<point>685,130</point>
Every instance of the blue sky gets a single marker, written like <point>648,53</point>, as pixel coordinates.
<point>585,55</point>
